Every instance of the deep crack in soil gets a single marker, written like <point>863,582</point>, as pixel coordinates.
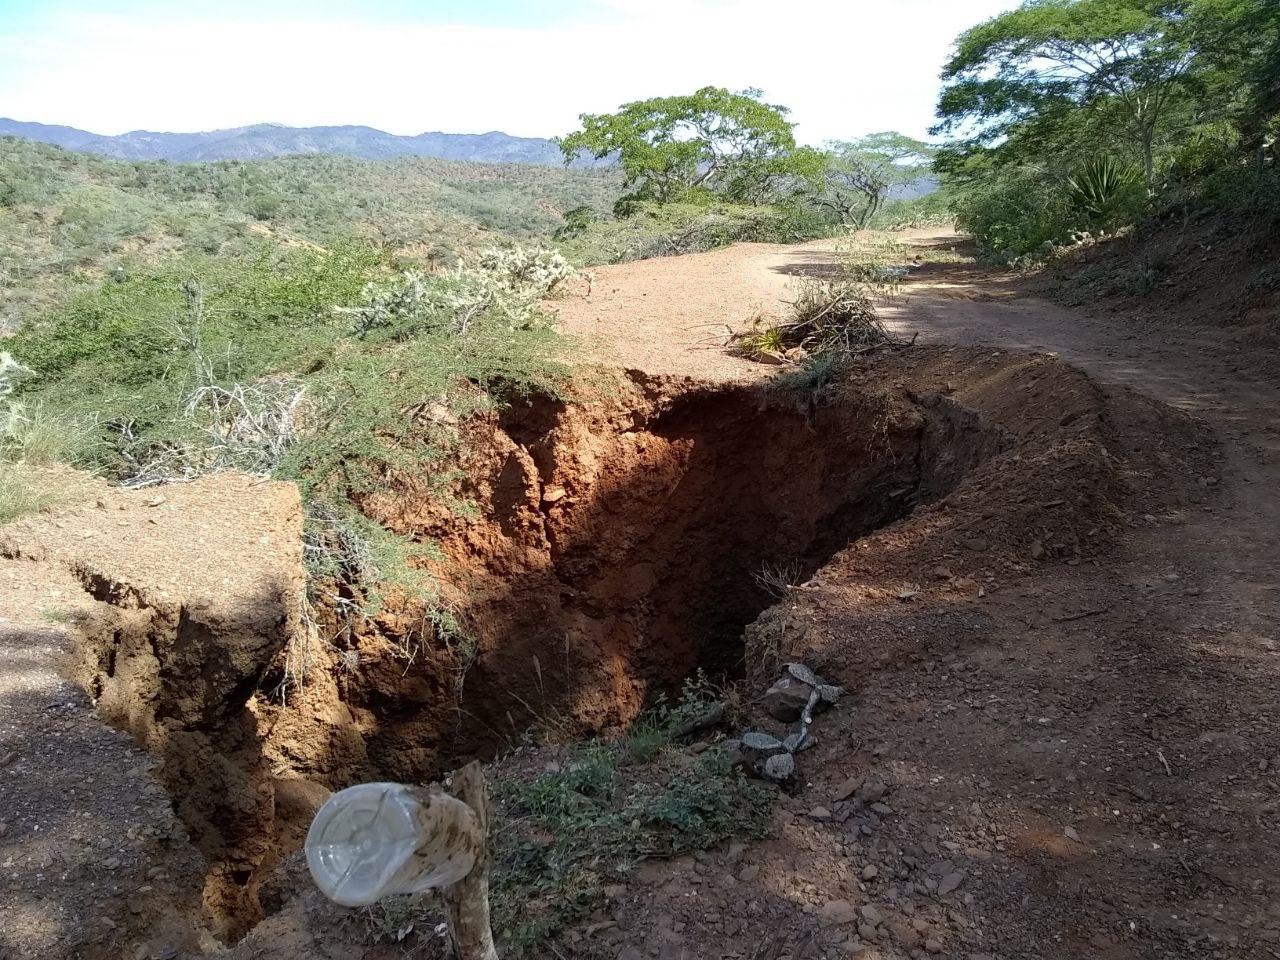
<point>616,547</point>
<point>1053,645</point>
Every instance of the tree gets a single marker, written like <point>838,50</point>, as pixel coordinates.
<point>709,141</point>
<point>859,175</point>
<point>1052,56</point>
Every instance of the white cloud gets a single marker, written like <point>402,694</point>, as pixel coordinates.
<point>845,67</point>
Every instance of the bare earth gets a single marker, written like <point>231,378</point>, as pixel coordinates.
<point>1079,760</point>
<point>1091,750</point>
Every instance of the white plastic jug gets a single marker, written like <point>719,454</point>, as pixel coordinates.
<point>374,840</point>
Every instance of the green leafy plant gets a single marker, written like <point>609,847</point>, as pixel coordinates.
<point>1107,190</point>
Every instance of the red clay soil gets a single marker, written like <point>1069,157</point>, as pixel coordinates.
<point>1074,712</point>
<point>1040,555</point>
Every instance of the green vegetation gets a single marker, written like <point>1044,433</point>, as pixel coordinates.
<point>1087,115</point>
<point>330,368</point>
<point>859,175</point>
<point>711,142</point>
<point>21,492</point>
<point>68,220</point>
<point>714,167</point>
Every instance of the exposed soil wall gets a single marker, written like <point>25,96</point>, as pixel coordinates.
<point>609,547</point>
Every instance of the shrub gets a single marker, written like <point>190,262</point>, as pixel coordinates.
<point>1016,212</point>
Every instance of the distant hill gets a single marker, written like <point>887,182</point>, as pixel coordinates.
<point>264,140</point>
<point>68,218</point>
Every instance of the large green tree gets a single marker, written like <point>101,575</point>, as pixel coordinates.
<point>713,140</point>
<point>1132,58</point>
<point>858,175</point>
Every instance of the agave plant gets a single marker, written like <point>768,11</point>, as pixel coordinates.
<point>1106,189</point>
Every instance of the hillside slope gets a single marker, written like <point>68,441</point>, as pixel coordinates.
<point>263,140</point>
<point>69,218</point>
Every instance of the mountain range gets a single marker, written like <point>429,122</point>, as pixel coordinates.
<point>274,140</point>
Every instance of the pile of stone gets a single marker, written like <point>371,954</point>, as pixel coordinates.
<point>797,697</point>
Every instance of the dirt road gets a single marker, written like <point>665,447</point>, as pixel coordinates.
<point>1106,728</point>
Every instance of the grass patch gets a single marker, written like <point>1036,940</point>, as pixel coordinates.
<point>560,836</point>
<point>21,493</point>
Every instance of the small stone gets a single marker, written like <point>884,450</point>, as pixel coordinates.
<point>867,932</point>
<point>883,809</point>
<point>870,872</point>
<point>1071,834</point>
<point>941,573</point>
<point>1037,550</point>
<point>950,883</point>
<point>870,914</point>
<point>976,544</point>
<point>838,912</point>
<point>933,946</point>
<point>819,813</point>
<point>553,494</point>
<point>749,873</point>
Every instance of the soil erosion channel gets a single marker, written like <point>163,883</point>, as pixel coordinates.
<point>618,545</point>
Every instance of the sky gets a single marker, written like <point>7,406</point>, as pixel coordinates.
<point>526,67</point>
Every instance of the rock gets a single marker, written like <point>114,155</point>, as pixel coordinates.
<point>780,767</point>
<point>819,813</point>
<point>1071,834</point>
<point>1037,549</point>
<point>749,873</point>
<point>553,494</point>
<point>870,872</point>
<point>867,932</point>
<point>872,790</point>
<point>733,750</point>
<point>838,912</point>
<point>941,573</point>
<point>883,809</point>
<point>787,698</point>
<point>933,946</point>
<point>950,883</point>
<point>870,914</point>
<point>846,790</point>
<point>976,544</point>
<point>736,851</point>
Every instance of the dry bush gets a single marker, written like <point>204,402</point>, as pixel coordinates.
<point>826,317</point>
